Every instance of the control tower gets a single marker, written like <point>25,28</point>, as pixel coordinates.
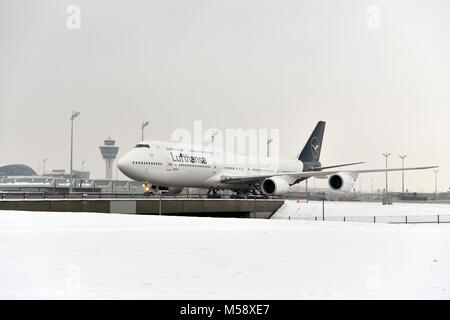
<point>109,153</point>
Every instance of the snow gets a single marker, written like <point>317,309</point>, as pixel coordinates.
<point>302,208</point>
<point>99,256</point>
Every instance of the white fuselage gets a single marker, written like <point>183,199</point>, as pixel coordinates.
<point>174,165</point>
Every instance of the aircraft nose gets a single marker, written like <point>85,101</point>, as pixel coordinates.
<point>123,164</point>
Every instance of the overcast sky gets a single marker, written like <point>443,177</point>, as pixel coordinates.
<point>380,86</point>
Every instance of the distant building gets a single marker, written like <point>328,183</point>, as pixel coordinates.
<point>61,173</point>
<point>11,170</point>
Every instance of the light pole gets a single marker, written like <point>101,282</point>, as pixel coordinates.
<point>212,138</point>
<point>435,183</point>
<point>74,115</point>
<point>268,146</point>
<point>144,124</point>
<point>386,155</point>
<point>82,172</point>
<point>43,165</point>
<point>403,157</point>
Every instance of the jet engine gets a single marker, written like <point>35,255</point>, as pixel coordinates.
<point>342,181</point>
<point>275,186</point>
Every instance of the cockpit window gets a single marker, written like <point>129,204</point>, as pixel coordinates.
<point>140,145</point>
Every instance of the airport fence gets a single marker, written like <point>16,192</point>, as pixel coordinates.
<point>412,219</point>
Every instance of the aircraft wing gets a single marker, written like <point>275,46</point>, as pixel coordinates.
<point>334,166</point>
<point>307,174</point>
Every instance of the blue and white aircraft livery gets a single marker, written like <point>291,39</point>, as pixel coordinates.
<point>175,166</point>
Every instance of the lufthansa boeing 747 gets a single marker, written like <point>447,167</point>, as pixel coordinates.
<point>173,166</point>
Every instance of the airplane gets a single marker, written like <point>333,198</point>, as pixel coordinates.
<point>172,166</point>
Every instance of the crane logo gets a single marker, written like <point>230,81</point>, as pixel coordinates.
<point>315,147</point>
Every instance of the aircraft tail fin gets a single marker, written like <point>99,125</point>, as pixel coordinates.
<point>311,150</point>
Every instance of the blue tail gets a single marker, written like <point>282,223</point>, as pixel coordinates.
<point>311,150</point>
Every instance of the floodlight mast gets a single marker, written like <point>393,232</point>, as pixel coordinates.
<point>144,124</point>
<point>75,114</point>
<point>403,157</point>
<point>269,141</point>
<point>386,155</point>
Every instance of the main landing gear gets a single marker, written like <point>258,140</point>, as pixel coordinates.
<point>212,193</point>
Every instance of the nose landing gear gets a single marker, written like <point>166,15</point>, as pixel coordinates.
<point>147,188</point>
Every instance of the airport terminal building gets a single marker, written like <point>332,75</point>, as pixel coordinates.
<point>16,170</point>
<point>22,178</point>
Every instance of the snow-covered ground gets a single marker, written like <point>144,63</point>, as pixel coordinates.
<point>90,255</point>
<point>355,208</point>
